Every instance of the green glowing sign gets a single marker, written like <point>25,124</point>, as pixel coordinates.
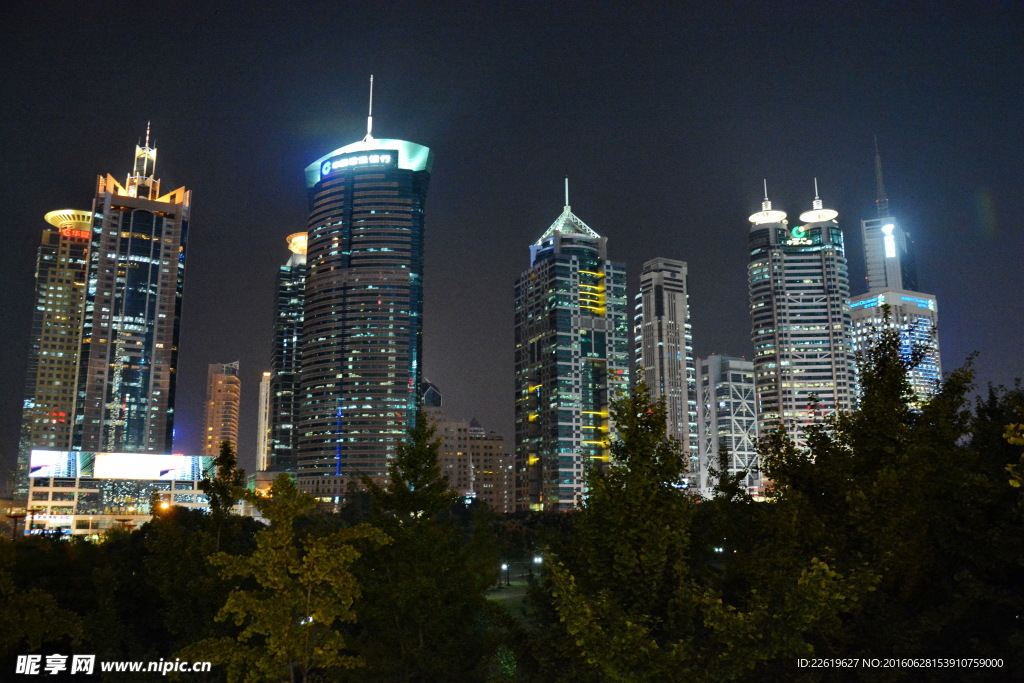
<point>798,231</point>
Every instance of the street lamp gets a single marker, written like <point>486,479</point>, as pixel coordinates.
<point>508,580</point>
<point>14,514</point>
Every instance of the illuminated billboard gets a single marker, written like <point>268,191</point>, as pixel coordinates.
<point>145,466</point>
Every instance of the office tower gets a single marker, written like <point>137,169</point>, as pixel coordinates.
<point>56,337</point>
<point>664,349</point>
<point>800,313</point>
<point>571,360</point>
<point>129,353</point>
<point>728,417</point>
<point>362,331</point>
<point>888,255</point>
<point>916,316</point>
<point>286,358</point>
<point>891,280</point>
<point>475,461</point>
<point>223,399</point>
<point>263,424</point>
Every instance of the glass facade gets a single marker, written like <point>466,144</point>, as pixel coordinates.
<point>286,359</point>
<point>728,417</point>
<point>800,312</point>
<point>572,336</point>
<point>131,324</point>
<point>362,326</point>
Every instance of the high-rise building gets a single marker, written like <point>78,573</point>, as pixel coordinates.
<point>363,320</point>
<point>888,254</point>
<point>56,337</point>
<point>571,359</point>
<point>916,316</point>
<point>286,358</point>
<point>223,401</point>
<point>129,352</point>
<point>263,424</point>
<point>664,349</point>
<point>800,313</point>
<point>892,281</point>
<point>728,417</point>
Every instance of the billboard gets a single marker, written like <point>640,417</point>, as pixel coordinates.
<point>144,466</point>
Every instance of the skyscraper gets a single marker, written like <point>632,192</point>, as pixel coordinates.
<point>56,337</point>
<point>286,358</point>
<point>571,359</point>
<point>129,352</point>
<point>891,280</point>
<point>263,424</point>
<point>800,313</point>
<point>664,349</point>
<point>916,317</point>
<point>362,331</point>
<point>223,400</point>
<point>888,254</point>
<point>728,417</point>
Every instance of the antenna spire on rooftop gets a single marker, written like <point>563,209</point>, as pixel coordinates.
<point>816,204</point>
<point>567,192</point>
<point>881,201</point>
<point>147,135</point>
<point>369,118</point>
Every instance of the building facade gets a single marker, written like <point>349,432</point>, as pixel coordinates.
<point>800,312</point>
<point>476,462</point>
<point>55,342</point>
<point>286,359</point>
<point>915,316</point>
<point>363,311</point>
<point>572,344</point>
<point>728,417</point>
<point>223,404</point>
<point>129,352</point>
<point>664,349</point>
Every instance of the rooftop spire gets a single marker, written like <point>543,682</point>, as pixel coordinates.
<point>566,192</point>
<point>146,146</point>
<point>881,201</point>
<point>369,118</point>
<point>766,205</point>
<point>816,204</point>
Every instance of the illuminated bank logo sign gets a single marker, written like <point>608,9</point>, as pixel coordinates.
<point>798,235</point>
<point>332,165</point>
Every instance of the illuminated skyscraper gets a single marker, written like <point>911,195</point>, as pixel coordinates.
<point>362,331</point>
<point>571,358</point>
<point>800,312</point>
<point>888,254</point>
<point>728,417</point>
<point>891,280</point>
<point>223,400</point>
<point>56,336</point>
<point>916,316</point>
<point>263,424</point>
<point>129,351</point>
<point>286,358</point>
<point>664,349</point>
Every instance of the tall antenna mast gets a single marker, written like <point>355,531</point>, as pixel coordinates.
<point>369,118</point>
<point>566,191</point>
<point>147,135</point>
<point>881,201</point>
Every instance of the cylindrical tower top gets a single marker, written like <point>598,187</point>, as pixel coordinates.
<point>297,242</point>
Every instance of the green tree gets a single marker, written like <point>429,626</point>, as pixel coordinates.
<point>641,594</point>
<point>425,613</point>
<point>224,488</point>
<point>292,597</point>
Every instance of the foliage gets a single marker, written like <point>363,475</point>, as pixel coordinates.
<point>292,598</point>
<point>225,487</point>
<point>425,615</point>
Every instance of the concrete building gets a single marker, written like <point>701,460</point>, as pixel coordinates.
<point>223,403</point>
<point>800,312</point>
<point>129,352</point>
<point>664,349</point>
<point>572,344</point>
<point>728,417</point>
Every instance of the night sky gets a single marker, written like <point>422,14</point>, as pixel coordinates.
<point>665,118</point>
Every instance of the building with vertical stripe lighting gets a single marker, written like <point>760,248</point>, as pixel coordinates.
<point>363,311</point>
<point>572,345</point>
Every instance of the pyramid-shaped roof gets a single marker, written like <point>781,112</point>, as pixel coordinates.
<point>568,224</point>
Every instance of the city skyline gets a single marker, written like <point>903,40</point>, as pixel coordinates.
<point>666,138</point>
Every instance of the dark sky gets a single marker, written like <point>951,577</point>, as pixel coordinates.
<point>665,117</point>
